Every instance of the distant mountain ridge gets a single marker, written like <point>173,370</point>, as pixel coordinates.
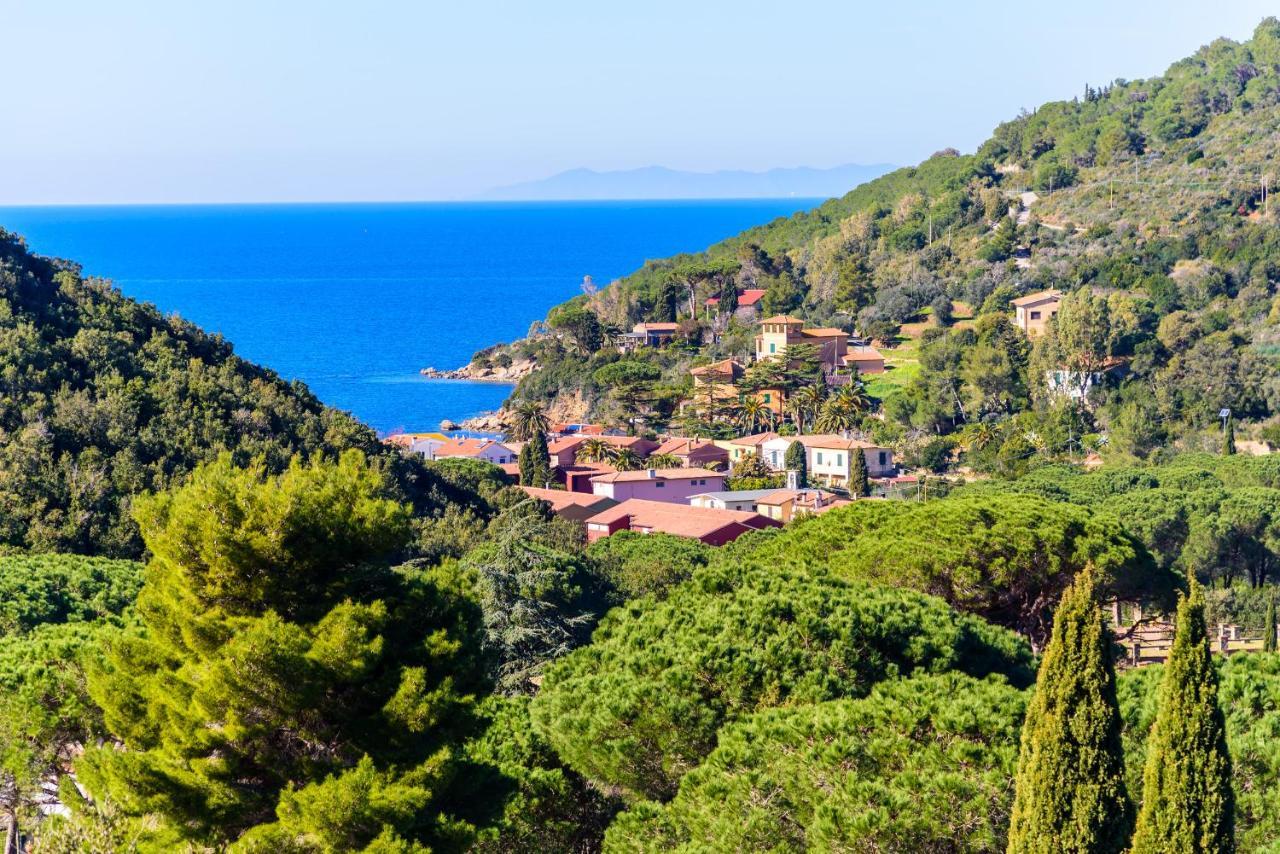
<point>659,182</point>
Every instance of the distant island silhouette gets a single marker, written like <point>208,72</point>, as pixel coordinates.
<point>659,182</point>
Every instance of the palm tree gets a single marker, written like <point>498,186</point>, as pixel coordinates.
<point>855,395</point>
<point>665,461</point>
<point>804,405</point>
<point>838,415</point>
<point>529,419</point>
<point>625,459</point>
<point>594,450</point>
<point>751,411</point>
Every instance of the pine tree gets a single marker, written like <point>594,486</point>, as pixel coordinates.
<point>535,462</point>
<point>859,482</point>
<point>1269,638</point>
<point>1069,792</point>
<point>795,460</point>
<point>1187,801</point>
<point>1229,441</point>
<point>290,682</point>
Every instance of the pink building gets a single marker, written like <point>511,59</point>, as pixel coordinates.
<point>673,486</point>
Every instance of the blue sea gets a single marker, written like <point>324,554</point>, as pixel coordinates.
<point>354,299</point>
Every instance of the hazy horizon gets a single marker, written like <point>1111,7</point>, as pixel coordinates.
<point>252,103</point>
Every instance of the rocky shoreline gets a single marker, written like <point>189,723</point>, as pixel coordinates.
<point>509,374</point>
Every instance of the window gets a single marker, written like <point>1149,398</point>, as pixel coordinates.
<point>819,457</point>
<point>884,458</point>
<point>839,460</point>
<point>660,485</point>
<point>1035,315</point>
<point>773,348</point>
<point>767,397</point>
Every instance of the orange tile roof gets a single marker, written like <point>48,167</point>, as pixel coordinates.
<point>658,474</point>
<point>750,296</point>
<point>681,446</point>
<point>755,440</point>
<point>823,332</point>
<point>1038,296</point>
<point>658,327</point>
<point>464,447</point>
<point>559,499</point>
<point>724,366</point>
<point>864,354</point>
<point>681,520</point>
<point>782,318</point>
<point>565,443</point>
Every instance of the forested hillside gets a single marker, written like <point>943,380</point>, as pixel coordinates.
<point>102,399</point>
<point>1151,206</point>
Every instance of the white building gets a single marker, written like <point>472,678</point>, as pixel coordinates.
<point>828,458</point>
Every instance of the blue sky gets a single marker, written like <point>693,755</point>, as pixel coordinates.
<point>159,101</point>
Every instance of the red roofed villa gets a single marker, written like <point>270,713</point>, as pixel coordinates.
<point>711,526</point>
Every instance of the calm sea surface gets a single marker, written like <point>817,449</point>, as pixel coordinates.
<point>354,299</point>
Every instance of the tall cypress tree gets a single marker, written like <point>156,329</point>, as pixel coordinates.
<point>535,462</point>
<point>1229,440</point>
<point>859,482</point>
<point>1070,794</point>
<point>1187,801</point>
<point>796,461</point>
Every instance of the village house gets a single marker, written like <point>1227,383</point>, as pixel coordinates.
<point>577,477</point>
<point>829,457</point>
<point>1031,313</point>
<point>670,485</point>
<point>647,335</point>
<point>865,360</point>
<point>745,445</point>
<point>694,453</point>
<point>1078,385</point>
<point>476,449</point>
<point>574,506</point>
<point>711,526</point>
<point>564,451</point>
<point>749,305</point>
<point>784,505</point>
<point>780,332</point>
<point>739,499</point>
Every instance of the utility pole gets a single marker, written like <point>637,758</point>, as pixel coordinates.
<point>1265,197</point>
<point>1113,194</point>
<point>931,228</point>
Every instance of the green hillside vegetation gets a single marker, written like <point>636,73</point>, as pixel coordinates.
<point>641,705</point>
<point>1150,207</point>
<point>102,399</point>
<point>1006,558</point>
<point>1217,518</point>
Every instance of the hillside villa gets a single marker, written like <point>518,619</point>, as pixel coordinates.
<point>668,485</point>
<point>738,499</point>
<point>711,526</point>
<point>783,505</point>
<point>865,360</point>
<point>647,335</point>
<point>781,331</point>
<point>1031,313</point>
<point>829,457</point>
<point>1077,385</point>
<point>475,449</point>
<point>694,453</point>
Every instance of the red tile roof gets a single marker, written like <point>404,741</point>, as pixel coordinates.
<point>755,440</point>
<point>681,520</point>
<point>750,296</point>
<point>566,443</point>
<point>864,354</point>
<point>783,318</point>
<point>824,332</point>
